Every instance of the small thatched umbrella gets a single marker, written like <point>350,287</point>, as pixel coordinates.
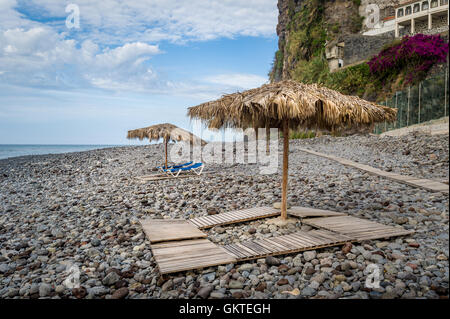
<point>168,132</point>
<point>290,104</point>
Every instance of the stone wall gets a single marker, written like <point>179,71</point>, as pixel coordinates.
<point>362,47</point>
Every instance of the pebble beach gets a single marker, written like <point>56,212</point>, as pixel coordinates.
<point>84,209</point>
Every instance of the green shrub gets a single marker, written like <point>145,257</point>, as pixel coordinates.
<point>313,71</point>
<point>356,23</point>
<point>352,80</point>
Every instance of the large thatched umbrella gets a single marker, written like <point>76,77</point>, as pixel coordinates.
<point>290,105</point>
<point>167,132</point>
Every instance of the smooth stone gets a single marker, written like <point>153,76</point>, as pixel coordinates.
<point>309,255</point>
<point>44,290</point>
<point>204,292</point>
<point>120,293</point>
<point>235,284</point>
<point>111,278</point>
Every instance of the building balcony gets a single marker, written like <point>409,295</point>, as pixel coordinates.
<point>421,17</point>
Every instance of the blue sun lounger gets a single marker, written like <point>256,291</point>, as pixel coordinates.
<point>197,168</point>
<point>162,168</point>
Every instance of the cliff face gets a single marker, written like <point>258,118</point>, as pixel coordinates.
<point>303,28</point>
<point>309,30</point>
<point>322,21</point>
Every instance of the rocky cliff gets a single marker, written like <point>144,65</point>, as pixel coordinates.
<point>303,28</point>
<point>307,28</point>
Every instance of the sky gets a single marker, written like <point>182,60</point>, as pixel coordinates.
<point>86,72</point>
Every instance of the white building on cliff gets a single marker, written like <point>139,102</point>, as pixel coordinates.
<point>426,16</point>
<point>384,21</point>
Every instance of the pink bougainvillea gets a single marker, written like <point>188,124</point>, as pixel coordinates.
<point>416,55</point>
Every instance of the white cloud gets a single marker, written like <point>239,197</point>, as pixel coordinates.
<point>240,81</point>
<point>10,17</point>
<point>180,20</point>
<point>130,52</point>
<point>40,56</point>
<point>117,39</point>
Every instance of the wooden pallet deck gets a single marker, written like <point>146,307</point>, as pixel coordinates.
<point>244,215</point>
<point>428,184</point>
<point>189,254</point>
<point>162,230</point>
<point>303,212</point>
<point>357,228</point>
<point>234,217</point>
<point>175,249</point>
<point>160,177</point>
<point>286,244</point>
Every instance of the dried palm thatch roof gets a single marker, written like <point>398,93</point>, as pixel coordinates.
<point>167,132</point>
<point>304,105</point>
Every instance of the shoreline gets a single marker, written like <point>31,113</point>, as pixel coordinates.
<point>100,147</point>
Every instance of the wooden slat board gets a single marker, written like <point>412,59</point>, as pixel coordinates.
<point>286,244</point>
<point>357,228</point>
<point>159,177</point>
<point>159,230</point>
<point>303,212</point>
<point>428,184</point>
<point>233,217</point>
<point>189,254</point>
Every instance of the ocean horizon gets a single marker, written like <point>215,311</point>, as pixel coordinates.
<point>17,150</point>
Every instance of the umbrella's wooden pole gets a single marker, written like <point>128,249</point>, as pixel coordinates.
<point>285,169</point>
<point>267,139</point>
<point>165,147</point>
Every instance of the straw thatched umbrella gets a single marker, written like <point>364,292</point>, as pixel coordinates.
<point>168,132</point>
<point>290,105</point>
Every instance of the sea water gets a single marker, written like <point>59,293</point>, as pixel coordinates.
<point>14,150</point>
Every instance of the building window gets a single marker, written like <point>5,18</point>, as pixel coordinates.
<point>400,13</point>
<point>444,2</point>
<point>425,5</point>
<point>434,3</point>
<point>416,8</point>
<point>408,11</point>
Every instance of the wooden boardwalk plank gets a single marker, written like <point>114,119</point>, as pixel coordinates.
<point>303,212</point>
<point>357,228</point>
<point>333,231</point>
<point>234,217</point>
<point>428,184</point>
<point>249,214</point>
<point>160,177</point>
<point>159,230</point>
<point>189,254</point>
<point>200,253</point>
<point>181,255</point>
<point>286,244</point>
